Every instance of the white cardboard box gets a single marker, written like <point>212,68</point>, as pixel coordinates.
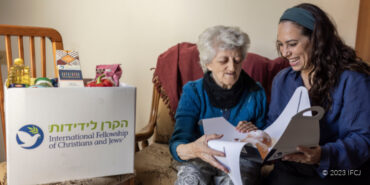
<point>58,134</point>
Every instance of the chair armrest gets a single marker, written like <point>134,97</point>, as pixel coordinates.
<point>145,133</point>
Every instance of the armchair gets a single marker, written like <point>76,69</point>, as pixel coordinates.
<point>178,65</point>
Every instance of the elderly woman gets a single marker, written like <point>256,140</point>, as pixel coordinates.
<point>336,80</point>
<point>225,90</point>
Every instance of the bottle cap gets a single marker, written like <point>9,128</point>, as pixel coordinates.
<point>18,61</point>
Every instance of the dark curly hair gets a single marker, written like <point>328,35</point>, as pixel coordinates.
<point>328,56</point>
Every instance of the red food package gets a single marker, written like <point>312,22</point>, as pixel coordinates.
<point>112,71</point>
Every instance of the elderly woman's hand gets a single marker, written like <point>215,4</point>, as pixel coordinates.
<point>200,149</point>
<point>245,126</point>
<point>305,155</point>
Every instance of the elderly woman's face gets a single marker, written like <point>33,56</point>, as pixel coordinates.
<point>293,45</point>
<point>226,67</point>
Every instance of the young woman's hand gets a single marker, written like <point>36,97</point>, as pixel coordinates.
<point>200,149</point>
<point>307,155</point>
<point>245,126</point>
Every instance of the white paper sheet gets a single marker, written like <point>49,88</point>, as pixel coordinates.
<point>232,148</point>
<point>298,102</point>
<point>232,152</point>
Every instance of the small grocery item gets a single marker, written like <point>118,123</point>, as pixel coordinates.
<point>54,81</point>
<point>101,81</point>
<point>19,74</point>
<point>17,85</point>
<point>112,71</point>
<point>69,69</point>
<point>32,81</point>
<point>43,82</point>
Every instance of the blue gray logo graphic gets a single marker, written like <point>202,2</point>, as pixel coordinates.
<point>30,136</point>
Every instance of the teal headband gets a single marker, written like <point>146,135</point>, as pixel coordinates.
<point>300,16</point>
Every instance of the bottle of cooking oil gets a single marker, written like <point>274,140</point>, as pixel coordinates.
<point>19,74</point>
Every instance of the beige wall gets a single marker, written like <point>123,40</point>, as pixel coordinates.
<point>134,32</point>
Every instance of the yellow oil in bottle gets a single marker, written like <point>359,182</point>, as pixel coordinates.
<point>19,74</point>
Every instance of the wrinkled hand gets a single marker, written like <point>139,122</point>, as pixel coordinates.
<point>305,155</point>
<point>245,126</point>
<point>200,149</point>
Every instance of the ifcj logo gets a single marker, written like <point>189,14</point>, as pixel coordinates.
<point>30,136</point>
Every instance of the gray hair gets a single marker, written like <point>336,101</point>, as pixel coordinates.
<point>221,38</point>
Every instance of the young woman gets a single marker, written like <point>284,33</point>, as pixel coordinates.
<point>338,81</point>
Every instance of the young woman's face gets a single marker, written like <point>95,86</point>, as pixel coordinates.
<point>293,45</point>
<point>226,67</point>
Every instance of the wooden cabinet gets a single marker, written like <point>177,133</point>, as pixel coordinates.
<point>363,31</point>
